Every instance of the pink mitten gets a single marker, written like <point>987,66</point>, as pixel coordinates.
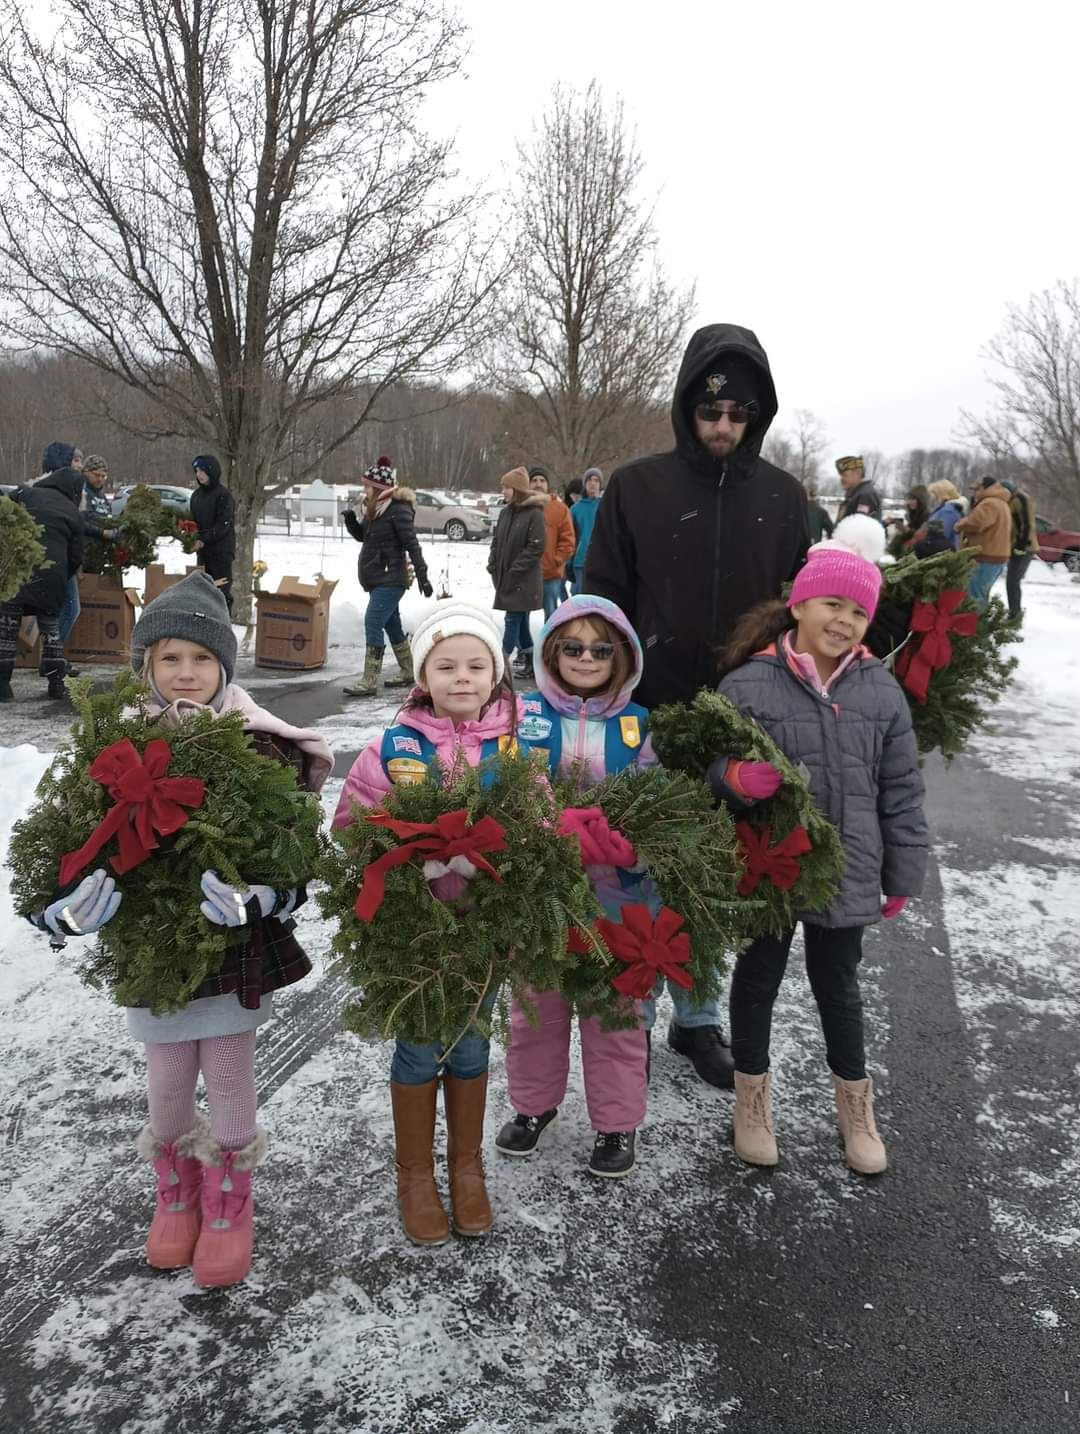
<point>754,780</point>
<point>600,844</point>
<point>893,905</point>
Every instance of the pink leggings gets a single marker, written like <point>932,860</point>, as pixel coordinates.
<point>228,1067</point>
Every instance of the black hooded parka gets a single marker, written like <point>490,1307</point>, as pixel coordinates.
<point>211,506</point>
<point>53,501</point>
<point>686,543</point>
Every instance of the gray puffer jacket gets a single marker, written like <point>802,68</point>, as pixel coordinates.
<point>858,748</point>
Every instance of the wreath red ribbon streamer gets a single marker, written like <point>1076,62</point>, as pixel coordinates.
<point>780,863</point>
<point>650,949</point>
<point>448,836</point>
<point>932,648</point>
<point>148,805</point>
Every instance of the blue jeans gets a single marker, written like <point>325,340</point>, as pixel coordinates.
<point>382,613</point>
<point>687,1011</point>
<point>983,578</point>
<point>516,633</point>
<point>554,594</point>
<point>69,613</point>
<point>415,1064</point>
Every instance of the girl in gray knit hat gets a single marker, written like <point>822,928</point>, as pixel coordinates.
<point>185,647</point>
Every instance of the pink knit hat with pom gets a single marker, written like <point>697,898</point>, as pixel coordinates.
<point>834,568</point>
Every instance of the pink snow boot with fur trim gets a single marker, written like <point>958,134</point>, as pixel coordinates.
<point>223,1253</point>
<point>174,1230</point>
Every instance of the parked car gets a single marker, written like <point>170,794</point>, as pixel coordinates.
<point>1058,545</point>
<point>176,500</point>
<point>459,523</point>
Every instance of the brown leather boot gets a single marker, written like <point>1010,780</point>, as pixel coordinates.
<point>466,1101</point>
<point>422,1213</point>
<point>863,1146</point>
<point>752,1120</point>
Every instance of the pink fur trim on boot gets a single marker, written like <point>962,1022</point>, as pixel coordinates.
<point>170,1245</point>
<point>223,1253</point>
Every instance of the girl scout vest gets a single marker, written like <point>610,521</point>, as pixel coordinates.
<point>406,753</point>
<point>541,729</point>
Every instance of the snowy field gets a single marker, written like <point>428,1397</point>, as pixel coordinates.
<point>561,1320</point>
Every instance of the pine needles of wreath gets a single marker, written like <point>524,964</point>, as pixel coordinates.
<point>21,553</point>
<point>960,695</point>
<point>143,521</point>
<point>255,825</point>
<point>427,969</point>
<point>690,737</point>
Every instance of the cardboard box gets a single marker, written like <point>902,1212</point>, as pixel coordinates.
<point>293,625</point>
<point>28,644</point>
<point>103,631</point>
<point>158,580</point>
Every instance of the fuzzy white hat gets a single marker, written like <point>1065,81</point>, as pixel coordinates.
<point>450,617</point>
<point>861,534</point>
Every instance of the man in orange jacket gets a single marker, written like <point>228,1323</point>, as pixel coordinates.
<point>987,527</point>
<point>560,544</point>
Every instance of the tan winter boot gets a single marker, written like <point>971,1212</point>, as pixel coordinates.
<point>368,684</point>
<point>752,1120</point>
<point>404,660</point>
<point>422,1213</point>
<point>466,1101</point>
<point>863,1146</point>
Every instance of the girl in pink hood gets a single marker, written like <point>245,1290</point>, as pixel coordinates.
<point>461,710</point>
<point>582,717</point>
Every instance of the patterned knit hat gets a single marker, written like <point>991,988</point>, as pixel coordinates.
<point>845,565</point>
<point>382,475</point>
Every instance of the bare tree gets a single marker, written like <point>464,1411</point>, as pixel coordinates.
<point>1034,426</point>
<point>591,328</point>
<point>229,205</point>
<point>799,450</point>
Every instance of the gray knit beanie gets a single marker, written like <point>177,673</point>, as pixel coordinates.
<point>193,609</point>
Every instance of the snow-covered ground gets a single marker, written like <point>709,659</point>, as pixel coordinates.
<point>352,1329</point>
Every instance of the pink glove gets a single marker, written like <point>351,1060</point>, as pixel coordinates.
<point>600,844</point>
<point>893,905</point>
<point>753,780</point>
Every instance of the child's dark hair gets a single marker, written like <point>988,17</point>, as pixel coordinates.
<point>623,663</point>
<point>503,688</point>
<point>754,630</point>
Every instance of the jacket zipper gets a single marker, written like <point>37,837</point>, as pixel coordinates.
<point>716,550</point>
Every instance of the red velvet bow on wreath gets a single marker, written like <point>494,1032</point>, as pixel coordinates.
<point>780,863</point>
<point>930,646</point>
<point>149,804</point>
<point>449,836</point>
<point>650,949</point>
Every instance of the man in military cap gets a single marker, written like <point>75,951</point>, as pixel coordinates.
<point>860,495</point>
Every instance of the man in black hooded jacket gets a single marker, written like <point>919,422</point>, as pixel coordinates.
<point>212,508</point>
<point>686,542</point>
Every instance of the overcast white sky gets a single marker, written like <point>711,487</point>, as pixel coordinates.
<point>866,185</point>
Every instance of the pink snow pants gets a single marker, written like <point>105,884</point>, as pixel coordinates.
<point>538,1064</point>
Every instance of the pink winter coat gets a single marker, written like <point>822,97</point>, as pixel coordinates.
<point>367,782</point>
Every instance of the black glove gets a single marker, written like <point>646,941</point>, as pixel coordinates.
<point>425,587</point>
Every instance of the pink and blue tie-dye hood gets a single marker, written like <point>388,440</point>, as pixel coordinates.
<point>580,606</point>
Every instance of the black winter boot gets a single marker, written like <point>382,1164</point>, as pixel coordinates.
<point>6,694</point>
<point>57,690</point>
<point>613,1154</point>
<point>521,1135</point>
<point>523,668</point>
<point>708,1051</point>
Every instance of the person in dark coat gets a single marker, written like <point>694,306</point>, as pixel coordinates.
<point>212,508</point>
<point>387,533</point>
<point>912,529</point>
<point>53,503</point>
<point>821,525</point>
<point>514,563</point>
<point>860,495</point>
<point>686,541</point>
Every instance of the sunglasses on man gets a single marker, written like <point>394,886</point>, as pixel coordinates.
<point>598,651</point>
<point>734,412</point>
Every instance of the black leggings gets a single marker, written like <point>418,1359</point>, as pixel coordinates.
<point>832,962</point>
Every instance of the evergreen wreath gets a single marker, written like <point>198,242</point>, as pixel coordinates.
<point>21,552</point>
<point>427,969</point>
<point>688,738</point>
<point>688,847</point>
<point>143,521</point>
<point>974,672</point>
<point>253,825</point>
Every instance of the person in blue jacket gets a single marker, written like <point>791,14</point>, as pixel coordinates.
<point>583,514</point>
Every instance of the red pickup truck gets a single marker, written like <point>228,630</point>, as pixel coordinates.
<point>1058,545</point>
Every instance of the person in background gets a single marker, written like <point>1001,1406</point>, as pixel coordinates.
<point>57,456</point>
<point>1025,542</point>
<point>212,508</point>
<point>583,514</point>
<point>987,527</point>
<point>572,493</point>
<point>514,565</point>
<point>946,508</point>
<point>860,495</point>
<point>913,526</point>
<point>560,543</point>
<point>821,525</point>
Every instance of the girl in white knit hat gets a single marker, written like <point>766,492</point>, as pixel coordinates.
<point>462,709</point>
